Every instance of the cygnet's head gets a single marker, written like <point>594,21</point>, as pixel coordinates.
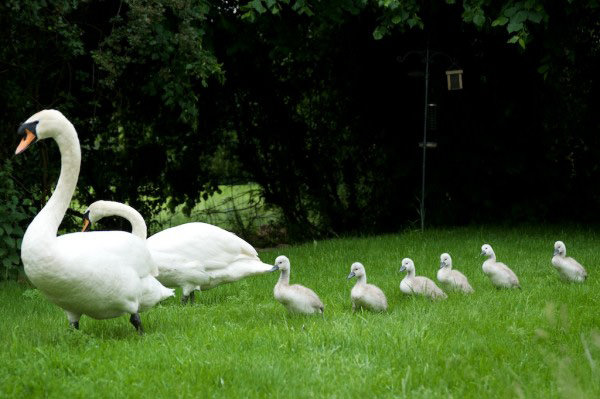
<point>356,270</point>
<point>486,250</point>
<point>281,263</point>
<point>408,265</point>
<point>445,261</point>
<point>560,248</point>
<point>44,124</point>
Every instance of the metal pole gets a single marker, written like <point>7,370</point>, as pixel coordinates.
<point>424,137</point>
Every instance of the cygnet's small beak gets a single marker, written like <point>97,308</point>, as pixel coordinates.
<point>275,268</point>
<point>442,264</point>
<point>351,275</point>
<point>403,268</point>
<point>482,253</point>
<point>555,252</point>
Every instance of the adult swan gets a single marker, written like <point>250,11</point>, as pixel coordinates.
<point>101,274</point>
<point>193,256</point>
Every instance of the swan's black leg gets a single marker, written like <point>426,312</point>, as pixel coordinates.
<point>184,299</point>
<point>192,297</point>
<point>137,322</point>
<point>73,319</point>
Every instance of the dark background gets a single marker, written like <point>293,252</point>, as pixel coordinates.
<point>173,98</point>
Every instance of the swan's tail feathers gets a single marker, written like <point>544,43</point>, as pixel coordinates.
<point>153,292</point>
<point>167,292</point>
<point>245,267</point>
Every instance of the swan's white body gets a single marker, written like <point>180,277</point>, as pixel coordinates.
<point>363,295</point>
<point>103,274</point>
<point>568,267</point>
<point>499,274</point>
<point>296,298</point>
<point>193,256</point>
<point>418,285</point>
<point>453,278</point>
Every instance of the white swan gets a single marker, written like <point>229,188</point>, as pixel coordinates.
<point>296,298</point>
<point>102,275</point>
<point>568,267</point>
<point>193,256</point>
<point>419,285</point>
<point>500,274</point>
<point>452,278</point>
<point>363,295</point>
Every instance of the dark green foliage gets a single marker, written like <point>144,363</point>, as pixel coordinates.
<point>171,98</point>
<point>14,213</point>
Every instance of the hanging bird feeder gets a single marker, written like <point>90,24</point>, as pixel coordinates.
<point>455,79</point>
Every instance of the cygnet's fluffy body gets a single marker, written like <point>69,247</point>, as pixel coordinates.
<point>500,275</point>
<point>453,278</point>
<point>568,267</point>
<point>363,295</point>
<point>296,298</point>
<point>419,285</point>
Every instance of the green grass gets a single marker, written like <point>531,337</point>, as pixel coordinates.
<point>543,341</point>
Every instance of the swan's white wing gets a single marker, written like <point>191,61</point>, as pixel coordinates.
<point>425,286</point>
<point>104,251</point>
<point>512,277</point>
<point>376,295</point>
<point>577,266</point>
<point>211,245</point>
<point>307,294</point>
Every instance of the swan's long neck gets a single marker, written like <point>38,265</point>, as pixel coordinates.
<point>138,226</point>
<point>284,277</point>
<point>410,273</point>
<point>492,256</point>
<point>45,225</point>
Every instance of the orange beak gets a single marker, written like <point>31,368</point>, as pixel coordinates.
<point>86,223</point>
<point>26,141</point>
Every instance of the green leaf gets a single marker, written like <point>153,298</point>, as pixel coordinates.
<point>544,68</point>
<point>514,27</point>
<point>8,228</point>
<point>501,20</point>
<point>257,5</point>
<point>513,39</point>
<point>9,241</point>
<point>520,17</point>
<point>522,42</point>
<point>479,20</point>
<point>509,12</point>
<point>535,17</point>
<point>379,32</point>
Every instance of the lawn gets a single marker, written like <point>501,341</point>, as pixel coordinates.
<point>543,341</point>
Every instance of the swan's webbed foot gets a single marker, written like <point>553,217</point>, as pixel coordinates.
<point>137,322</point>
